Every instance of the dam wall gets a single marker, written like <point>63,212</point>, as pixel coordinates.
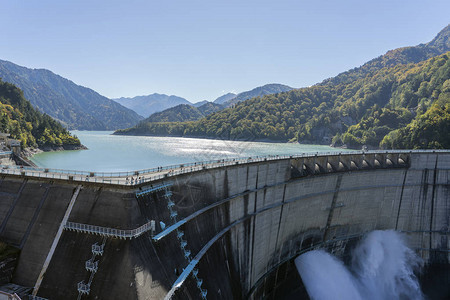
<point>282,214</point>
<point>225,232</point>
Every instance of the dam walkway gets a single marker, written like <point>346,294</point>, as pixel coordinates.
<point>110,232</point>
<point>343,161</point>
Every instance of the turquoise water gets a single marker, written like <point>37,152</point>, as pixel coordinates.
<point>109,153</point>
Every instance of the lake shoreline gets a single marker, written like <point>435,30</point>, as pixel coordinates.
<point>30,152</point>
<point>111,153</point>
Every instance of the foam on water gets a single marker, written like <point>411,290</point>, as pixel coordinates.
<point>382,267</point>
<point>326,277</point>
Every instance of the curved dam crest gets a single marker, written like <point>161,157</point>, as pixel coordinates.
<point>225,231</point>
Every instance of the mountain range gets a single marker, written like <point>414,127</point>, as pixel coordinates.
<point>75,106</point>
<point>149,104</point>
<point>78,107</point>
<point>398,100</point>
<point>204,108</point>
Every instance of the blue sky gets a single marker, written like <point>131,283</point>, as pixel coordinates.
<point>202,49</point>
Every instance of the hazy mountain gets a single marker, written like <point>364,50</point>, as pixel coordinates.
<point>256,92</point>
<point>153,104</point>
<point>200,103</point>
<point>184,112</point>
<point>76,106</point>
<point>147,105</point>
<point>224,98</point>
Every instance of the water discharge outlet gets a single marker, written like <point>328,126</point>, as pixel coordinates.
<point>382,267</point>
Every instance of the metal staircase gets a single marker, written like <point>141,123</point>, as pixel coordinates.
<point>91,266</point>
<point>153,189</point>
<point>183,243</point>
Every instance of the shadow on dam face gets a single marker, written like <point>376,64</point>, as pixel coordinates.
<point>231,232</point>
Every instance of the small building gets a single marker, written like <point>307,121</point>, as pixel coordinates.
<point>14,145</point>
<point>4,136</point>
<point>3,140</point>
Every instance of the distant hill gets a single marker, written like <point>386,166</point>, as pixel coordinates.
<point>267,89</point>
<point>74,105</point>
<point>224,98</point>
<point>209,108</point>
<point>398,100</point>
<point>200,103</point>
<point>23,122</point>
<point>147,105</point>
<point>184,112</point>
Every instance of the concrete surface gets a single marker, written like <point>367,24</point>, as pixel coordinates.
<point>271,210</point>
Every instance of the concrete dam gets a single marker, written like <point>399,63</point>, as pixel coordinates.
<point>226,229</point>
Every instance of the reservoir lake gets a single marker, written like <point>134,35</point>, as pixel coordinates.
<point>109,153</point>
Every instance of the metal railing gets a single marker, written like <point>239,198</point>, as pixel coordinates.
<point>84,288</point>
<point>9,296</point>
<point>152,174</point>
<point>31,297</point>
<point>91,265</point>
<point>5,153</point>
<point>154,189</point>
<point>108,232</point>
<point>97,249</point>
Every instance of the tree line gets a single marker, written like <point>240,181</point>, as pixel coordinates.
<point>23,122</point>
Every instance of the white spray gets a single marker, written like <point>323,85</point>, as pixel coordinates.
<point>382,267</point>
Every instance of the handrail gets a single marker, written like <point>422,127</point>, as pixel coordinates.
<point>173,170</point>
<point>107,231</point>
<point>152,189</point>
<point>12,296</point>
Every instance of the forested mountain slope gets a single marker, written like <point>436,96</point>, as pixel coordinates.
<point>23,122</point>
<point>72,104</point>
<point>184,112</point>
